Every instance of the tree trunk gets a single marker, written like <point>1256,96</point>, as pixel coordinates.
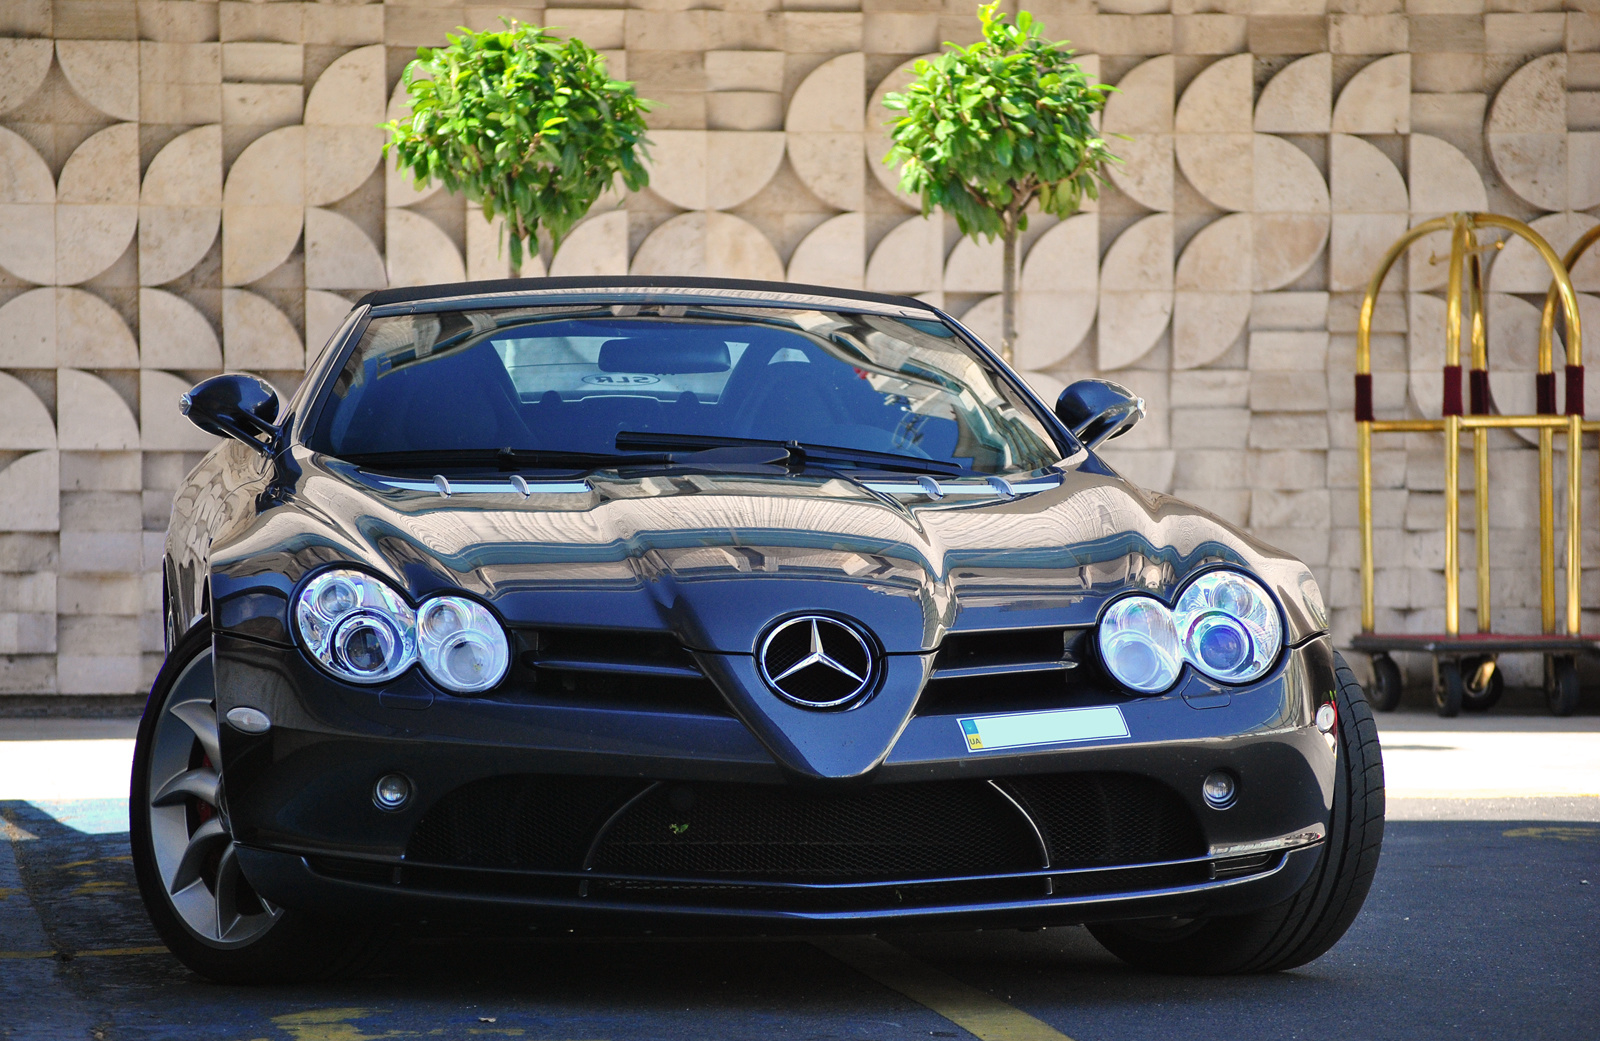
<point>1008,289</point>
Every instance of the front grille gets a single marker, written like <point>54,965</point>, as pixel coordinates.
<point>714,833</point>
<point>1014,670</point>
<point>647,671</point>
<point>1093,819</point>
<point>749,832</point>
<point>536,822</point>
<point>1008,649</point>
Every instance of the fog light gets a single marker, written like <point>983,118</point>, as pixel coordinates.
<point>391,792</point>
<point>1326,715</point>
<point>1219,789</point>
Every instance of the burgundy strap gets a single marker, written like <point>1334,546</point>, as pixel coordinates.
<point>1452,390</point>
<point>1544,385</point>
<point>1364,397</point>
<point>1574,390</point>
<point>1478,391</point>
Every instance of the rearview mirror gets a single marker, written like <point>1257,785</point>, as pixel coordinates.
<point>1098,410</point>
<point>234,405</point>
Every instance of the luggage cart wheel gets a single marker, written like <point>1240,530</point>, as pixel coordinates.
<point>1448,687</point>
<point>1561,685</point>
<point>1483,683</point>
<point>1385,694</point>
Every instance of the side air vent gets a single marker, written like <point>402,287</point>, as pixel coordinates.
<point>1009,651</point>
<point>624,667</point>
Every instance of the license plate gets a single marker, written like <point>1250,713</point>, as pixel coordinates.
<point>987,733</point>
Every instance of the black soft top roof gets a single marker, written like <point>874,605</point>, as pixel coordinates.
<point>504,291</point>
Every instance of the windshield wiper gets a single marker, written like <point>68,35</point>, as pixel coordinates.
<point>798,452</point>
<point>503,459</point>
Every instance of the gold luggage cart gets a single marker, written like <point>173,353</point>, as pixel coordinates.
<point>1465,665</point>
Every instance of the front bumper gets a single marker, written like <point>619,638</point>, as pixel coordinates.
<point>300,803</point>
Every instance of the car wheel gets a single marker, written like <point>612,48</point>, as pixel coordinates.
<point>1386,684</point>
<point>1561,691</point>
<point>1449,689</point>
<point>1481,690</point>
<point>183,853</point>
<point>1306,925</point>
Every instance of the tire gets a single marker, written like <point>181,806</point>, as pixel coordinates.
<point>1475,698</point>
<point>201,905</point>
<point>1303,927</point>
<point>1386,684</point>
<point>1449,689</point>
<point>1561,690</point>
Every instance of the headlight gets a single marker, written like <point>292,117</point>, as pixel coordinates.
<point>1225,624</point>
<point>1229,626</point>
<point>1139,645</point>
<point>363,631</point>
<point>356,627</point>
<point>461,644</point>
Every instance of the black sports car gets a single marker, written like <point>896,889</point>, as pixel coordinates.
<point>688,604</point>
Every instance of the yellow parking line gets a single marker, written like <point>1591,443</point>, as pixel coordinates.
<point>973,1010</point>
<point>106,952</point>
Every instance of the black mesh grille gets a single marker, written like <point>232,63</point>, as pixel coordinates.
<point>744,833</point>
<point>1095,819</point>
<point>531,823</point>
<point>776,833</point>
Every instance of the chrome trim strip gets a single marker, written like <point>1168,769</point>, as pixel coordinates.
<point>1314,834</point>
<point>1038,836</point>
<point>514,485</point>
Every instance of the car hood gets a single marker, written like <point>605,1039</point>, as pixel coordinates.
<point>715,556</point>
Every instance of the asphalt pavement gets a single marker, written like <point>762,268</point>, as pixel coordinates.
<point>1484,922</point>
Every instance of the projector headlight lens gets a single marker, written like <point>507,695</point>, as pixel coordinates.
<point>1229,626</point>
<point>461,644</point>
<point>356,626</point>
<point>1139,645</point>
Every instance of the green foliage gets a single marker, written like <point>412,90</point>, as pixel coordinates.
<point>523,123</point>
<point>992,127</point>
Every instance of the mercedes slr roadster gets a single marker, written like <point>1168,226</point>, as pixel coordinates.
<point>683,605</point>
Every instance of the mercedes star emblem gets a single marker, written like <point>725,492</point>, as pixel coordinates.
<point>816,661</point>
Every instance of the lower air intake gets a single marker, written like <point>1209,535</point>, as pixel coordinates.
<point>774,833</point>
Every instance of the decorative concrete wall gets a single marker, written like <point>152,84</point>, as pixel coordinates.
<point>191,186</point>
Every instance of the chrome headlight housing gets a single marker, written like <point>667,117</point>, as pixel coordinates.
<point>1225,624</point>
<point>1139,645</point>
<point>461,644</point>
<point>356,626</point>
<point>361,630</point>
<point>1229,626</point>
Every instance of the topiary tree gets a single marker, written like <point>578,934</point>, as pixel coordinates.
<point>523,123</point>
<point>992,128</point>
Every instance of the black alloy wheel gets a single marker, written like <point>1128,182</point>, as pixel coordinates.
<point>1306,925</point>
<point>184,857</point>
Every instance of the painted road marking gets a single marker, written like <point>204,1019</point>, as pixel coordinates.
<point>977,1012</point>
<point>107,952</point>
<point>339,1024</point>
<point>1562,834</point>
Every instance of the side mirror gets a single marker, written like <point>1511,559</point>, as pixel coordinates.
<point>1098,410</point>
<point>234,405</point>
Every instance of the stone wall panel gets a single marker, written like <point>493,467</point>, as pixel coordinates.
<point>223,158</point>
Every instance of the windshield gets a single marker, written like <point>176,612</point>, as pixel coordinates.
<point>570,380</point>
